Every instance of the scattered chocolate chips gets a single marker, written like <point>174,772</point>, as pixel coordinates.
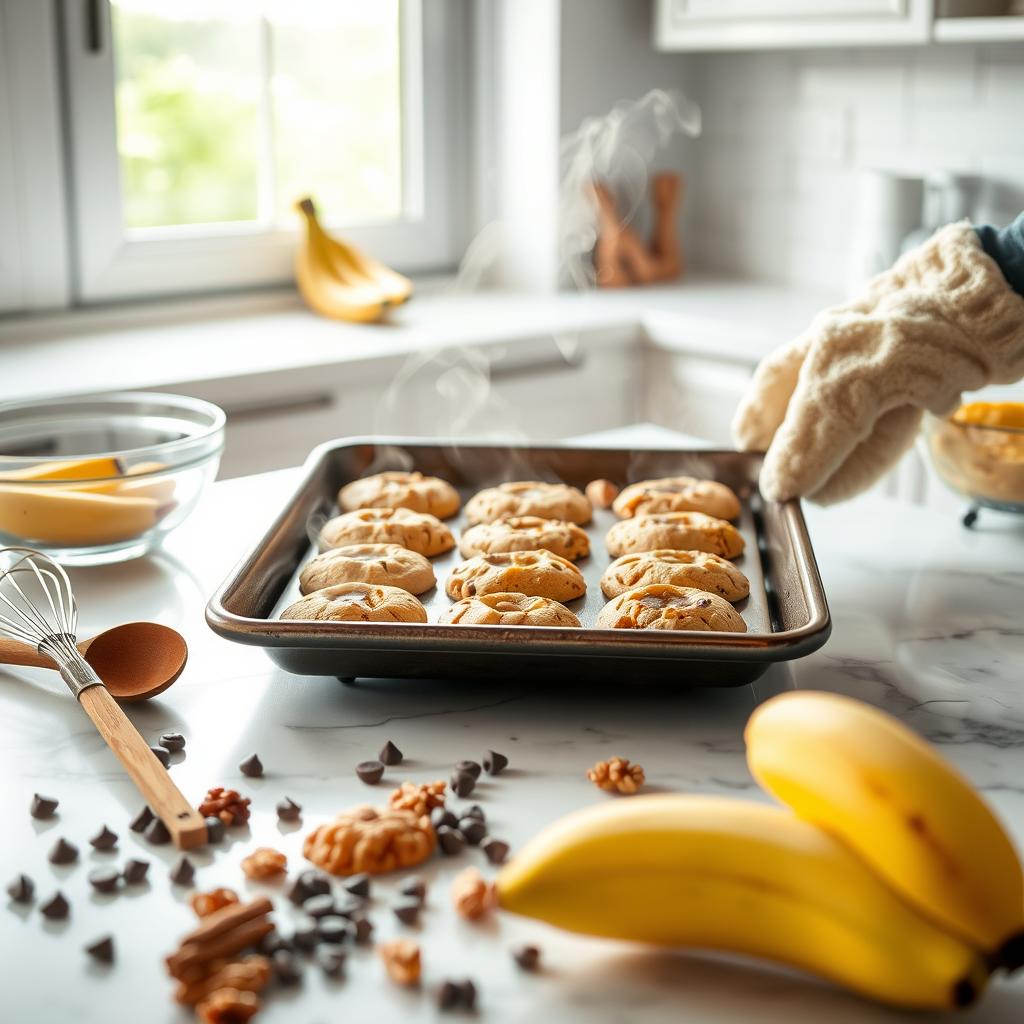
<point>104,879</point>
<point>306,934</point>
<point>56,908</point>
<point>172,741</point>
<point>43,806</point>
<point>370,772</point>
<point>21,889</point>
<point>414,887</point>
<point>351,906</point>
<point>102,950</point>
<point>495,850</point>
<point>63,852</point>
<point>472,767</point>
<point>287,970</point>
<point>320,905</point>
<point>156,832</point>
<point>442,816</point>
<point>135,871</point>
<point>142,820</point>
<point>364,929</point>
<point>357,885</point>
<point>252,767</point>
<point>495,763</point>
<point>473,829</point>
<point>272,942</point>
<point>183,872</point>
<point>288,810</point>
<point>162,756</point>
<point>331,960</point>
<point>527,957</point>
<point>214,829</point>
<point>334,929</point>
<point>451,840</point>
<point>474,811</point>
<point>457,995</point>
<point>104,839</point>
<point>407,910</point>
<point>390,754</point>
<point>305,885</point>
<point>462,783</point>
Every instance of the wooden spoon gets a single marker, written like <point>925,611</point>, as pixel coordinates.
<point>136,661</point>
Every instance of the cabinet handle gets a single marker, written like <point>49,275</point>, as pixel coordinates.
<point>278,407</point>
<point>549,364</point>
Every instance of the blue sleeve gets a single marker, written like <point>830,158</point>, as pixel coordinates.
<point>1006,247</point>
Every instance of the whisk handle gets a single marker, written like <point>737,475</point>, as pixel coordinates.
<point>184,822</point>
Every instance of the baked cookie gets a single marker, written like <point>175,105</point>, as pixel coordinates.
<point>677,494</point>
<point>684,531</point>
<point>661,606</point>
<point>698,569</point>
<point>537,573</point>
<point>401,490</point>
<point>387,565</point>
<point>417,531</point>
<point>529,498</point>
<point>509,610</point>
<point>357,602</point>
<point>525,533</point>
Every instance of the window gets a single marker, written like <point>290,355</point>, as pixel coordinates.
<point>195,125</point>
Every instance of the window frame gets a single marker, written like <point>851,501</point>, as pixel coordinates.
<point>111,265</point>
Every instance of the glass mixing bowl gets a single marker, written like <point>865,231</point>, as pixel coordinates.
<point>103,478</point>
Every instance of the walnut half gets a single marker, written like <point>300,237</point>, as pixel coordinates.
<point>617,775</point>
<point>369,840</point>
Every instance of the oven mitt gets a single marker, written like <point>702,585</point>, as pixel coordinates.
<point>837,407</point>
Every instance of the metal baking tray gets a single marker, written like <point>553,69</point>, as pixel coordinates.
<point>786,614</point>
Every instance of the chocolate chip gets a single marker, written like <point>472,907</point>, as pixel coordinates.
<point>135,871</point>
<point>141,820</point>
<point>288,810</point>
<point>357,885</point>
<point>104,839</point>
<point>183,872</point>
<point>473,811</point>
<point>273,941</point>
<point>495,763</point>
<point>252,767</point>
<point>320,905</point>
<point>295,892</point>
<point>449,995</point>
<point>173,741</point>
<point>407,910</point>
<point>528,957</point>
<point>43,806</point>
<point>162,756</point>
<point>306,934</point>
<point>495,850</point>
<point>156,832</point>
<point>56,908</point>
<point>335,930</point>
<point>364,929</point>
<point>102,950</point>
<point>214,829</point>
<point>104,879</point>
<point>462,783</point>
<point>442,816</point>
<point>350,906</point>
<point>370,772</point>
<point>331,960</point>
<point>316,883</point>
<point>473,829</point>
<point>63,852</point>
<point>390,754</point>
<point>21,889</point>
<point>287,969</point>
<point>467,991</point>
<point>414,887</point>
<point>468,766</point>
<point>451,840</point>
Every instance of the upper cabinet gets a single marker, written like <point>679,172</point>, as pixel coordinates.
<point>784,24</point>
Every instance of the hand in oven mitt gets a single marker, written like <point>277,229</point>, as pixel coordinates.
<point>837,407</point>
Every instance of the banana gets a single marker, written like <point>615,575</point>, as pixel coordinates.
<point>722,874</point>
<point>74,469</point>
<point>161,488</point>
<point>882,790</point>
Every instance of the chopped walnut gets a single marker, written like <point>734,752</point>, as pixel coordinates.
<point>601,493</point>
<point>472,895</point>
<point>402,961</point>
<point>204,903</point>
<point>420,799</point>
<point>264,862</point>
<point>227,804</point>
<point>365,839</point>
<point>228,1006</point>
<point>617,775</point>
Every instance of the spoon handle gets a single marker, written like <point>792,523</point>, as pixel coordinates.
<point>183,821</point>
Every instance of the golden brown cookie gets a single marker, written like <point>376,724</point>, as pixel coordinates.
<point>677,494</point>
<point>529,498</point>
<point>537,573</point>
<point>417,531</point>
<point>661,606</point>
<point>388,565</point>
<point>525,533</point>
<point>401,490</point>
<point>683,531</point>
<point>509,610</point>
<point>357,602</point>
<point>698,569</point>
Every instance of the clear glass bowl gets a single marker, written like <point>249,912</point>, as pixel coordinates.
<point>104,478</point>
<point>979,451</point>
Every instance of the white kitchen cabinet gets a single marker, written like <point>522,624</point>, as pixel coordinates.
<point>693,25</point>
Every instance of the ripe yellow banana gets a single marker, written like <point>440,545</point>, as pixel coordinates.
<point>882,790</point>
<point>160,488</point>
<point>73,469</point>
<point>711,873</point>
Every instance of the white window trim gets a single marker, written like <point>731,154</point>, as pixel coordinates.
<point>110,266</point>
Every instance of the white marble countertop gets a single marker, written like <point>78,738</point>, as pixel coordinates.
<point>917,602</point>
